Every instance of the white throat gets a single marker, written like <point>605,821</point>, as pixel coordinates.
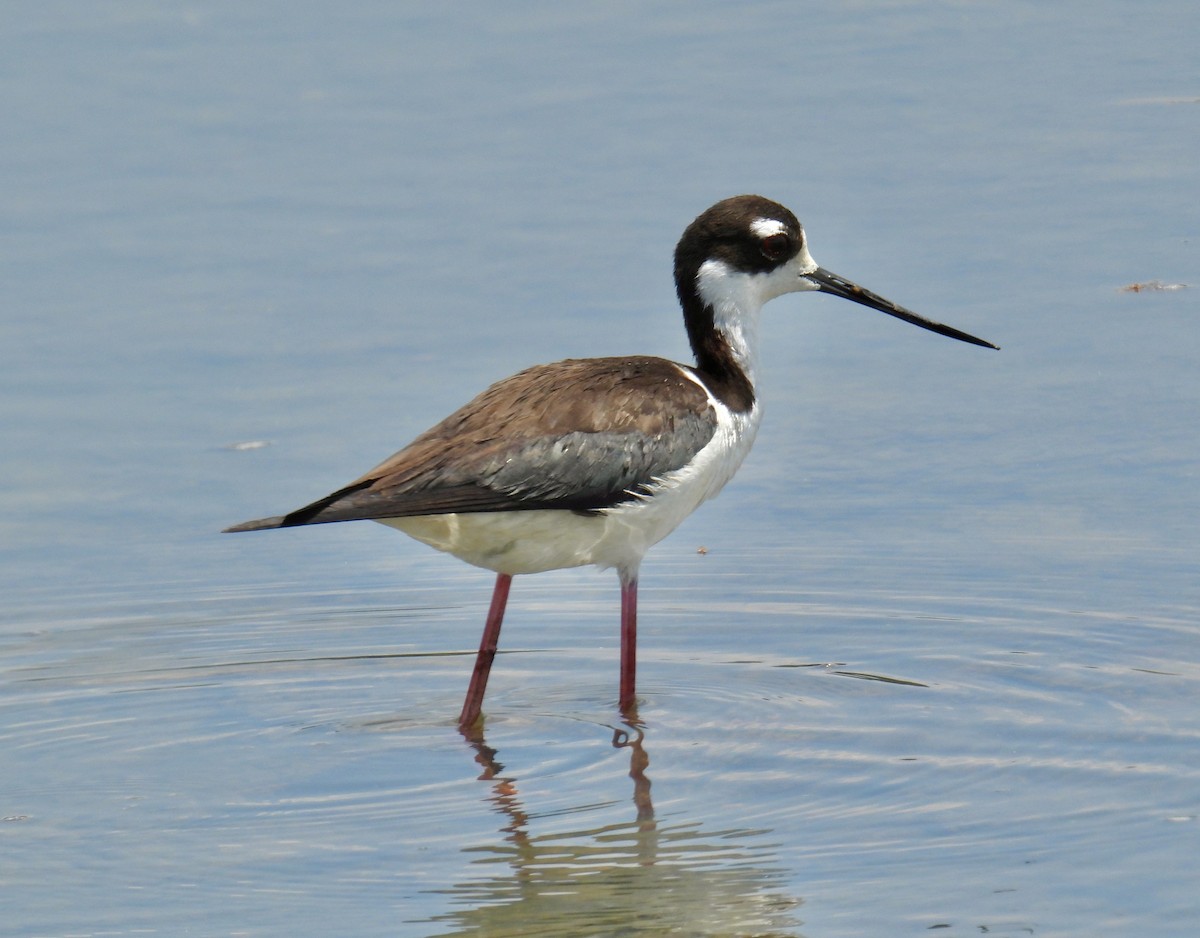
<point>736,297</point>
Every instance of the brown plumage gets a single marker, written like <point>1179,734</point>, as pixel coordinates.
<point>580,434</point>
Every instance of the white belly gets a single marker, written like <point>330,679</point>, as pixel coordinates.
<point>522,541</point>
<point>516,542</point>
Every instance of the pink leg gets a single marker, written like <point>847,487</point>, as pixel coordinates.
<point>487,653</point>
<point>628,700</point>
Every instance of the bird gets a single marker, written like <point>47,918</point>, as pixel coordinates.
<point>592,461</point>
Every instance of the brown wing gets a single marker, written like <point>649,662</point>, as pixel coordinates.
<point>580,434</point>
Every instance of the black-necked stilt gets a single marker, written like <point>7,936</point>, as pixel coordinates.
<point>592,461</point>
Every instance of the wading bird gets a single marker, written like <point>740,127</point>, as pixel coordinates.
<point>594,460</point>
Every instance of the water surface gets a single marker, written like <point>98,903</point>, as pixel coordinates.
<point>928,666</point>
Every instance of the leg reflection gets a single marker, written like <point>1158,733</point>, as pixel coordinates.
<point>578,864</point>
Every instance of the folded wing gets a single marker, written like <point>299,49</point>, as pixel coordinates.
<point>577,435</point>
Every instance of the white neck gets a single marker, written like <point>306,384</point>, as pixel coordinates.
<point>736,297</point>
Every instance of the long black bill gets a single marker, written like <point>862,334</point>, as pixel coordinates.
<point>829,282</point>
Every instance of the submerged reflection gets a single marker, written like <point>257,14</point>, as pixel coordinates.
<point>637,878</point>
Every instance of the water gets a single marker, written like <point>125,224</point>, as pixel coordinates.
<point>928,666</point>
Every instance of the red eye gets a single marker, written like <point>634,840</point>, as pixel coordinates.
<point>775,246</point>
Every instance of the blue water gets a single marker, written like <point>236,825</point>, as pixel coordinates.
<point>930,664</point>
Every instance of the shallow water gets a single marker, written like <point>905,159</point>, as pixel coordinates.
<point>807,761</point>
<point>929,666</point>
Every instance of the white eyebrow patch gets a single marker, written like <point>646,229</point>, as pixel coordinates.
<point>765,227</point>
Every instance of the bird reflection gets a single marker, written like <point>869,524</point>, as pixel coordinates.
<point>639,877</point>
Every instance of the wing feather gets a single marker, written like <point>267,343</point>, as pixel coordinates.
<point>581,434</point>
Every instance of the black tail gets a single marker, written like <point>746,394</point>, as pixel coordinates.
<point>309,514</point>
<point>262,524</point>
